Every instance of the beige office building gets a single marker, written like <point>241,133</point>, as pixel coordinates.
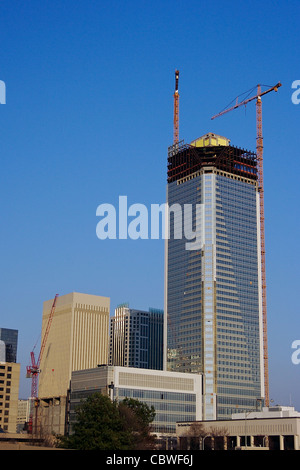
<point>78,339</point>
<point>9,394</point>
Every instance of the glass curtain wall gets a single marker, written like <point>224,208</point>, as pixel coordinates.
<point>213,315</point>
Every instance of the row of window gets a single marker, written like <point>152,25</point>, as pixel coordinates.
<point>156,395</point>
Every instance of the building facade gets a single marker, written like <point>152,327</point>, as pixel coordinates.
<point>10,340</point>
<point>274,428</point>
<point>173,395</point>
<point>23,414</point>
<point>213,309</point>
<point>51,414</point>
<point>9,394</point>
<point>136,338</point>
<point>77,339</point>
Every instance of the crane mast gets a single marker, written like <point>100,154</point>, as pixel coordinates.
<point>34,369</point>
<point>176,110</point>
<point>259,153</point>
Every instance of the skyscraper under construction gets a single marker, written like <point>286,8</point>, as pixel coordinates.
<point>213,288</point>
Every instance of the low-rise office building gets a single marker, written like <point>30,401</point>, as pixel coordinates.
<point>274,428</point>
<point>175,396</point>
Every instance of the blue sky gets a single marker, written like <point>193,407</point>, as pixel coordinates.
<point>89,117</point>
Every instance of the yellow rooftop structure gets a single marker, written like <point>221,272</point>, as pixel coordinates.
<point>210,140</point>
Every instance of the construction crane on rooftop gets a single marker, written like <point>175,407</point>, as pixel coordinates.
<point>259,153</point>
<point>176,110</point>
<point>34,369</point>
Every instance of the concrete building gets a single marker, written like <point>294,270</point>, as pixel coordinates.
<point>23,415</point>
<point>213,283</point>
<point>78,339</point>
<point>173,395</point>
<point>9,394</point>
<point>51,417</point>
<point>136,338</point>
<point>274,428</point>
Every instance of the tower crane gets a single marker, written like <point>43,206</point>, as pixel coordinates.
<point>34,369</point>
<point>259,153</point>
<point>176,110</point>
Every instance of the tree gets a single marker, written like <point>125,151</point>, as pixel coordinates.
<point>98,426</point>
<point>138,417</point>
<point>219,435</point>
<point>192,437</point>
<point>102,424</point>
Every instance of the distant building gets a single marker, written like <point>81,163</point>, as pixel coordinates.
<point>23,415</point>
<point>274,428</point>
<point>10,339</point>
<point>175,396</point>
<point>136,338</point>
<point>277,411</point>
<point>78,339</point>
<point>9,394</point>
<point>9,379</point>
<point>2,351</point>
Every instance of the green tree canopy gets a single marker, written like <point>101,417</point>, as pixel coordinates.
<point>143,412</point>
<point>138,417</point>
<point>102,424</point>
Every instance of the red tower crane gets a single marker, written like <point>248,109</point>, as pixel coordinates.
<point>176,110</point>
<point>259,153</point>
<point>34,369</point>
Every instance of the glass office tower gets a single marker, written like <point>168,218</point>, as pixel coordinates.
<point>213,320</point>
<point>136,338</point>
<point>10,339</point>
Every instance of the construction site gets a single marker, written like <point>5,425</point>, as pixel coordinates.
<point>186,160</point>
<point>210,153</point>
